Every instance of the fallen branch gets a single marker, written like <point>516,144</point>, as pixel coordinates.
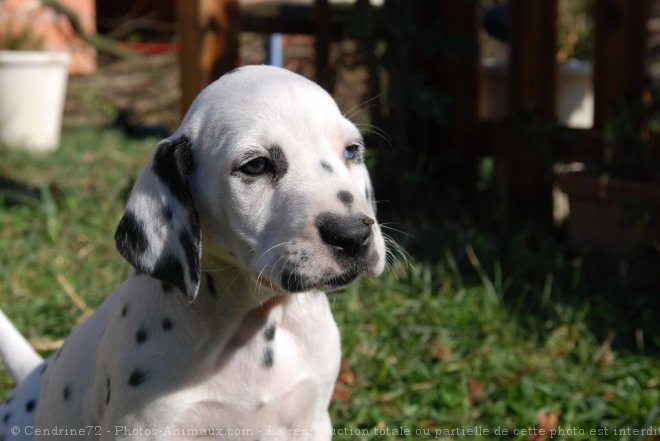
<point>102,44</point>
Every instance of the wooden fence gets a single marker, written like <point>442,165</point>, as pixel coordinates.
<point>209,40</point>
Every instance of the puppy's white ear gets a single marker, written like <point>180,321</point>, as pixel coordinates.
<point>159,233</point>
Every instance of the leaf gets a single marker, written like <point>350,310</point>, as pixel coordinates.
<point>547,422</point>
<point>475,389</point>
<point>439,351</point>
<point>345,383</point>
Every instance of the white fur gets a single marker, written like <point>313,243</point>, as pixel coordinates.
<point>208,373</point>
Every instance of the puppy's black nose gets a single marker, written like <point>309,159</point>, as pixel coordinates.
<point>349,235</point>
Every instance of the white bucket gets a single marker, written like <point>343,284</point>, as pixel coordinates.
<point>32,92</point>
<point>575,96</point>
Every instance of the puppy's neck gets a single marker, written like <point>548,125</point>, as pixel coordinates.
<point>230,309</point>
<point>228,294</point>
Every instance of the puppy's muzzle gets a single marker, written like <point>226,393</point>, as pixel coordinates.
<point>347,236</point>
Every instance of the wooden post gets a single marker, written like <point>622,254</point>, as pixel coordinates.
<point>533,40</point>
<point>324,73</point>
<point>532,96</point>
<point>619,53</point>
<point>460,80</point>
<point>208,35</point>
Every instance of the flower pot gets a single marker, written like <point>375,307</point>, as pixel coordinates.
<point>33,88</point>
<point>614,216</point>
<point>575,98</point>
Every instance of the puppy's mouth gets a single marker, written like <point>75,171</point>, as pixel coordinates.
<point>294,282</point>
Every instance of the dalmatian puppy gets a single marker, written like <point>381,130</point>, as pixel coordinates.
<point>236,227</point>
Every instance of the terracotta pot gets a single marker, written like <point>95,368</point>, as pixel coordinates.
<point>618,217</point>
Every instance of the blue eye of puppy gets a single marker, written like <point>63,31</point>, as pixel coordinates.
<point>257,166</point>
<point>351,152</point>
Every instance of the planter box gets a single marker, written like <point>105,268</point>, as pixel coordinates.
<point>33,86</point>
<point>614,216</point>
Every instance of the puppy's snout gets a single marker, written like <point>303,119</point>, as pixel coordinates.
<point>349,235</point>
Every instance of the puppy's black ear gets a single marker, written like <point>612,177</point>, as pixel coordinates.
<point>159,233</point>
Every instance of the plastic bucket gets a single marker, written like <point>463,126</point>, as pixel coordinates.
<point>32,93</point>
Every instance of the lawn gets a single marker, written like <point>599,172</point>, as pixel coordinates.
<point>473,343</point>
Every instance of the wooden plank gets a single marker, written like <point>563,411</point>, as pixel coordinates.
<point>532,90</point>
<point>533,39</point>
<point>294,19</point>
<point>460,79</point>
<point>324,72</point>
<point>619,53</point>
<point>209,38</point>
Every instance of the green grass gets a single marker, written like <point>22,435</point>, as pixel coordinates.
<point>428,354</point>
<point>452,344</point>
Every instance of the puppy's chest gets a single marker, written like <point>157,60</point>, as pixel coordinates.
<point>277,384</point>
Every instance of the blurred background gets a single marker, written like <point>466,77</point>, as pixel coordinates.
<point>515,151</point>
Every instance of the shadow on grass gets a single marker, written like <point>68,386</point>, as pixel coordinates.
<point>531,267</point>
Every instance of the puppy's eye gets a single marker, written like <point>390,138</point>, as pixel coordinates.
<point>351,152</point>
<point>257,166</point>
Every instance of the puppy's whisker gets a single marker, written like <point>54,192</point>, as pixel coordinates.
<point>393,249</point>
<point>375,131</point>
<point>389,227</point>
<point>289,242</point>
<point>217,270</point>
<point>355,109</point>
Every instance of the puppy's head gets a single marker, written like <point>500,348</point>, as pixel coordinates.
<point>268,174</point>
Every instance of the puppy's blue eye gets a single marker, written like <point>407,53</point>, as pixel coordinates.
<point>257,166</point>
<point>351,152</point>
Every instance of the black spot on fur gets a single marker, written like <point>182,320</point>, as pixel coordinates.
<point>269,332</point>
<point>137,377</point>
<point>327,167</point>
<point>269,357</point>
<point>345,198</point>
<point>141,336</point>
<point>167,324</point>
<point>131,239</point>
<point>66,393</point>
<point>169,269</point>
<point>30,405</point>
<point>167,212</point>
<point>9,400</point>
<point>279,160</point>
<point>210,283</point>
<point>5,419</point>
<point>124,310</point>
<point>107,393</point>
